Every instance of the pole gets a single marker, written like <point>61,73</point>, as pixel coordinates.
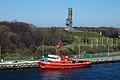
<point>0,53</point>
<point>43,50</point>
<point>79,51</point>
<point>102,41</point>
<point>97,42</point>
<point>91,43</point>
<point>108,50</point>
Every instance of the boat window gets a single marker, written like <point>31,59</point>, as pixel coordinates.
<point>54,57</point>
<point>49,57</point>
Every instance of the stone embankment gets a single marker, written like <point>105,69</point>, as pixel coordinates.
<point>20,64</point>
<point>103,59</point>
<point>33,64</point>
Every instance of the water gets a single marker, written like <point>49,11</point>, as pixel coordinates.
<point>109,71</point>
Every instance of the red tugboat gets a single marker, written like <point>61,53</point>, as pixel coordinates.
<point>56,62</point>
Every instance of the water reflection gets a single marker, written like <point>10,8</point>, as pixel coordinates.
<point>51,74</point>
<point>61,74</point>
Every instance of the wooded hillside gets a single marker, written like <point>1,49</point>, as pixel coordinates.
<point>23,39</point>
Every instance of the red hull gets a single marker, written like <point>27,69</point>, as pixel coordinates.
<point>63,65</point>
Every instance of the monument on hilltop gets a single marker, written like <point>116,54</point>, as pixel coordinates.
<point>69,22</point>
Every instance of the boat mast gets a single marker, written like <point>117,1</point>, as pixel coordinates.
<point>58,48</point>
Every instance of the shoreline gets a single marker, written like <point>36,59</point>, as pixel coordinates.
<point>19,65</point>
<point>102,59</point>
<point>35,63</point>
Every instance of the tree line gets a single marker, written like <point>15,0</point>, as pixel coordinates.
<point>24,39</point>
<point>110,32</point>
<point>20,37</point>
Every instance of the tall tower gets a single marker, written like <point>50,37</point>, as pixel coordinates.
<point>69,19</point>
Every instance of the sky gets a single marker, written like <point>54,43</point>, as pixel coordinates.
<point>47,13</point>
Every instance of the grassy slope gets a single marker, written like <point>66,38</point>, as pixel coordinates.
<point>84,34</point>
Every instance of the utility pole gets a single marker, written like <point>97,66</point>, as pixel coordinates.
<point>0,53</point>
<point>86,41</point>
<point>91,43</point>
<point>102,41</point>
<point>97,42</point>
<point>107,40</point>
<point>108,50</point>
<point>79,51</point>
<point>43,47</point>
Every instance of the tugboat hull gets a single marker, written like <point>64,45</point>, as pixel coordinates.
<point>63,65</point>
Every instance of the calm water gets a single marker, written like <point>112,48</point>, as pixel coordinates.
<point>109,71</point>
